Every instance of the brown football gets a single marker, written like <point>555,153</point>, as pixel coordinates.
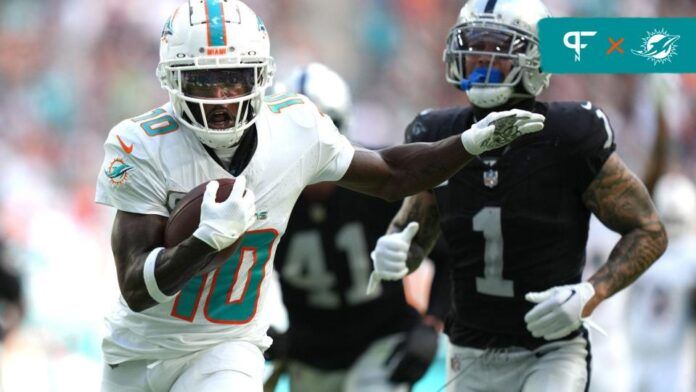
<point>185,217</point>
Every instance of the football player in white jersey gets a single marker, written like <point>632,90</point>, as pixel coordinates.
<point>183,322</point>
<point>661,302</point>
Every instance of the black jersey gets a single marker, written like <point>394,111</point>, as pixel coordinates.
<point>513,218</point>
<point>324,267</point>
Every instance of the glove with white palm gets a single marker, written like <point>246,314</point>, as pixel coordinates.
<point>558,311</point>
<point>224,223</point>
<point>390,255</point>
<point>499,129</point>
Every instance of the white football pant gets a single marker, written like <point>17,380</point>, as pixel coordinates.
<point>230,366</point>
<point>553,367</point>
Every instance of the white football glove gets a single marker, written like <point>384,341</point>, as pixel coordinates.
<point>558,311</point>
<point>389,256</point>
<point>224,223</point>
<point>498,129</point>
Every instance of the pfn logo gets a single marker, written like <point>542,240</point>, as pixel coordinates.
<point>572,40</point>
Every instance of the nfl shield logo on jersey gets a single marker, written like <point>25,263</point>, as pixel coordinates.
<point>490,178</point>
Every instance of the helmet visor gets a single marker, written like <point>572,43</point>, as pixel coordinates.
<point>483,40</point>
<point>218,83</point>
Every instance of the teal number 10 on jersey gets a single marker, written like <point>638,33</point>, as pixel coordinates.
<point>236,285</point>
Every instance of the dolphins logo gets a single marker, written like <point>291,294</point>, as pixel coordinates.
<point>659,46</point>
<point>117,171</point>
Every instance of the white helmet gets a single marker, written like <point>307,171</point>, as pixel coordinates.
<point>215,35</point>
<point>326,89</point>
<point>512,26</point>
<point>675,199</point>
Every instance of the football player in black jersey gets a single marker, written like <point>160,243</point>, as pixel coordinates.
<point>340,338</point>
<point>516,221</point>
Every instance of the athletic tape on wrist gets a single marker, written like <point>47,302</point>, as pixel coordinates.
<point>150,281</point>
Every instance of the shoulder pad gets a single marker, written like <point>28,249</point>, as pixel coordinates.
<point>296,107</point>
<point>435,124</point>
<point>579,123</point>
<point>137,135</point>
<point>157,122</point>
<point>126,138</point>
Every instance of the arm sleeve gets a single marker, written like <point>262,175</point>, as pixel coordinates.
<point>130,182</point>
<point>591,146</point>
<point>332,153</point>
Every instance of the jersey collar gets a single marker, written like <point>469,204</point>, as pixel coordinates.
<point>243,154</point>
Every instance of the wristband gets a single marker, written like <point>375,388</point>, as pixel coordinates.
<point>150,281</point>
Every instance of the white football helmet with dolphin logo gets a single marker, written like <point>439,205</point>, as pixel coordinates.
<point>511,27</point>
<point>215,35</point>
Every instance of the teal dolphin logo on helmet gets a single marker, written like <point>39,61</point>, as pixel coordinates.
<point>262,27</point>
<point>168,27</point>
<point>167,30</point>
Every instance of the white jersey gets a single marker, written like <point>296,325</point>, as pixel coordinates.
<point>151,161</point>
<point>659,305</point>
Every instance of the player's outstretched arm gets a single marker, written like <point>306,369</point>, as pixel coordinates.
<point>396,172</point>
<point>400,171</point>
<point>133,238</point>
<point>621,201</point>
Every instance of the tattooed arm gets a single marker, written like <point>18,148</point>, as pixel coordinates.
<point>421,208</point>
<point>621,201</point>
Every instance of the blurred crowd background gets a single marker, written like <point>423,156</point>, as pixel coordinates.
<point>72,69</point>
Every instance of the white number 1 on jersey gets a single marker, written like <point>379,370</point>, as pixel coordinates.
<point>492,283</point>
